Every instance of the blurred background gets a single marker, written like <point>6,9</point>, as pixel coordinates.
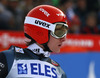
<point>80,53</point>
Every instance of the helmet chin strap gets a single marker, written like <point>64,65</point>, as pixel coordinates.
<point>45,44</point>
<point>46,47</point>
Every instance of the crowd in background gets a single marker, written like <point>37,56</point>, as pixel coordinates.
<point>83,16</point>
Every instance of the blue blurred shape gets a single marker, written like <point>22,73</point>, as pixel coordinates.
<point>79,65</point>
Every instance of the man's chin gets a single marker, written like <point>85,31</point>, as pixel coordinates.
<point>57,51</point>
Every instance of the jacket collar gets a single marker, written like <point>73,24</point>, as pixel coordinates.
<point>38,50</point>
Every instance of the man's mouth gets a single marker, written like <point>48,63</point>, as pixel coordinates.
<point>60,45</point>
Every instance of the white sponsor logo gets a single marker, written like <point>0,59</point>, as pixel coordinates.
<point>81,42</point>
<point>2,65</point>
<point>44,11</point>
<point>61,15</point>
<point>6,40</point>
<point>20,50</point>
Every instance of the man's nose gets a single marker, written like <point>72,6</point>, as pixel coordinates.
<point>63,39</point>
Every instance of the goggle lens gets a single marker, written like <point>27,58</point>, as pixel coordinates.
<point>60,30</point>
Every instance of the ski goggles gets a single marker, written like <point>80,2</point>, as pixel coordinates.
<point>60,31</point>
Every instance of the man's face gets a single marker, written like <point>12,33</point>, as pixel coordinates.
<point>55,44</point>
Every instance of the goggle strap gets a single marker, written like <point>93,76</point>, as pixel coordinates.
<point>40,23</point>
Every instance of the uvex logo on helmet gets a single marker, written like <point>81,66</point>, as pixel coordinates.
<point>44,11</point>
<point>42,23</point>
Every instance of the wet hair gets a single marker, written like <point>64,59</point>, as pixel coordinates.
<point>29,42</point>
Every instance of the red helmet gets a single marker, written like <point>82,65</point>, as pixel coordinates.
<point>40,20</point>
